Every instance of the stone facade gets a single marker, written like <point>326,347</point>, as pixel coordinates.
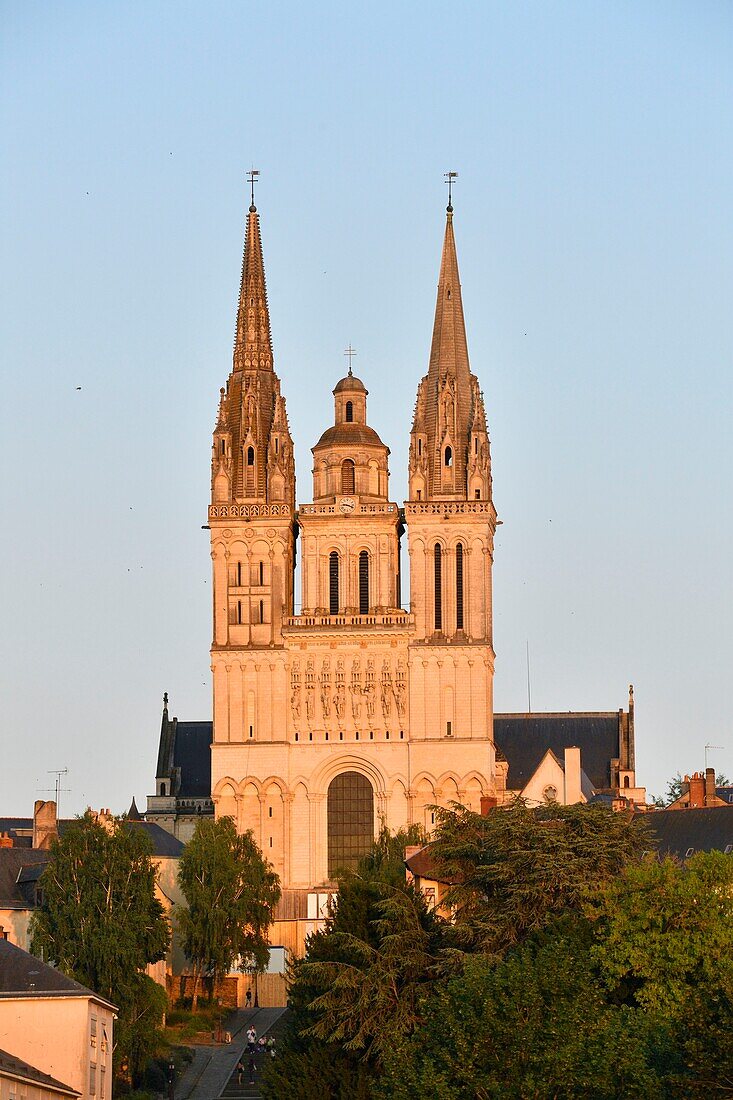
<point>354,712</point>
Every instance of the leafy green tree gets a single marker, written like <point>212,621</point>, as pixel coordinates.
<point>231,893</point>
<point>516,869</point>
<point>531,1026</point>
<point>665,943</point>
<point>101,923</point>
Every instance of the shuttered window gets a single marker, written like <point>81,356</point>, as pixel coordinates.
<point>438,587</point>
<point>459,586</point>
<point>333,582</point>
<point>363,583</point>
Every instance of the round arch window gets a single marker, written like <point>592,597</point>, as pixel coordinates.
<point>350,821</point>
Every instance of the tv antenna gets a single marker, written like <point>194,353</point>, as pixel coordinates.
<point>706,752</point>
<point>57,789</point>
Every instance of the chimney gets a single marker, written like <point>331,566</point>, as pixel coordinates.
<point>572,776</point>
<point>488,803</point>
<point>710,786</point>
<point>6,841</point>
<point>697,790</point>
<point>45,825</point>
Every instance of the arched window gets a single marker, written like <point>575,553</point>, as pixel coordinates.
<point>438,587</point>
<point>627,781</point>
<point>333,582</point>
<point>363,583</point>
<point>347,476</point>
<point>448,456</point>
<point>250,456</point>
<point>350,820</point>
<point>459,586</point>
<point>349,412</point>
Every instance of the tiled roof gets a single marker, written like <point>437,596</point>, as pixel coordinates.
<point>525,738</point>
<point>15,865</point>
<point>23,975</point>
<point>10,1066</point>
<point>163,845</point>
<point>681,833</point>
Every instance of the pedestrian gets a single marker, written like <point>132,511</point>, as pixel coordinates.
<point>249,999</point>
<point>240,1071</point>
<point>251,1039</point>
<point>251,1071</point>
<point>261,1044</point>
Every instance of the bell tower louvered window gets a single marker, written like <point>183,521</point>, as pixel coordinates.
<point>250,471</point>
<point>459,586</point>
<point>333,583</point>
<point>363,583</point>
<point>438,587</point>
<point>349,412</point>
<point>347,476</point>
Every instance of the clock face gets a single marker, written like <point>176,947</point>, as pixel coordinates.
<point>347,505</point>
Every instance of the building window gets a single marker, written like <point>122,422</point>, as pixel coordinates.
<point>448,456</point>
<point>262,611</point>
<point>438,587</point>
<point>363,583</point>
<point>419,494</point>
<point>627,781</point>
<point>347,476</point>
<point>349,412</point>
<point>92,1079</point>
<point>333,582</point>
<point>419,446</point>
<point>239,612</point>
<point>550,794</point>
<point>262,573</point>
<point>459,586</point>
<point>250,470</point>
<point>239,574</point>
<point>449,729</point>
<point>223,446</point>
<point>250,456</point>
<point>477,494</point>
<point>350,820</point>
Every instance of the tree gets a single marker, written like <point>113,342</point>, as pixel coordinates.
<point>665,944</point>
<point>231,893</point>
<point>516,869</point>
<point>101,923</point>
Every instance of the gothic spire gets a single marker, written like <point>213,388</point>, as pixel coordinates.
<point>253,343</point>
<point>449,349</point>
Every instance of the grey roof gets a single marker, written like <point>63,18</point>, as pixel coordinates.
<point>163,845</point>
<point>681,833</point>
<point>23,975</point>
<point>16,865</point>
<point>725,793</point>
<point>192,754</point>
<point>525,738</point>
<point>15,1067</point>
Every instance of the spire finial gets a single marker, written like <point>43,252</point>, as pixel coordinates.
<point>449,177</point>
<point>351,353</point>
<point>252,177</point>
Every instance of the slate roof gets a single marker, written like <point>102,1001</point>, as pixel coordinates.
<point>28,1074</point>
<point>23,975</point>
<point>681,833</point>
<point>16,866</point>
<point>525,738</point>
<point>163,845</point>
<point>192,754</point>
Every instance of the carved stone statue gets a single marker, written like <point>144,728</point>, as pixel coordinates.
<point>356,690</point>
<point>386,689</point>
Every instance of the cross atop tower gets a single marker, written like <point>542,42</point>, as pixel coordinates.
<point>449,178</point>
<point>350,352</point>
<point>252,177</point>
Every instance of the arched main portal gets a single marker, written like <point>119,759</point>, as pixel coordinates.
<point>350,820</point>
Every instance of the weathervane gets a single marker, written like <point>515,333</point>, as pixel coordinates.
<point>449,177</point>
<point>351,353</point>
<point>252,177</point>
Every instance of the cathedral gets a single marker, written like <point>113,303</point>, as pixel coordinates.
<point>356,713</point>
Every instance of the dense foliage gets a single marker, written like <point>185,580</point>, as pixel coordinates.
<point>574,964</point>
<point>101,923</point>
<point>231,893</point>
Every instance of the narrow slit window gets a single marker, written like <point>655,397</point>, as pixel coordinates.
<point>347,476</point>
<point>262,573</point>
<point>250,456</point>
<point>333,582</point>
<point>419,446</point>
<point>349,412</point>
<point>448,456</point>
<point>438,587</point>
<point>363,583</point>
<point>459,586</point>
<point>262,611</point>
<point>239,612</point>
<point>239,574</point>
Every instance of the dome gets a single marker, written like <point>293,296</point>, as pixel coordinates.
<point>350,384</point>
<point>349,435</point>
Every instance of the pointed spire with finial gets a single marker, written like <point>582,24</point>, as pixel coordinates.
<point>253,342</point>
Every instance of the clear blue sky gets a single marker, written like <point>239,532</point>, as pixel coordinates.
<point>593,221</point>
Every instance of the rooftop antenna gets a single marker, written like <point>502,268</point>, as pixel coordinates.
<point>57,789</point>
<point>252,177</point>
<point>529,686</point>
<point>351,353</point>
<point>449,178</point>
<point>706,753</point>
